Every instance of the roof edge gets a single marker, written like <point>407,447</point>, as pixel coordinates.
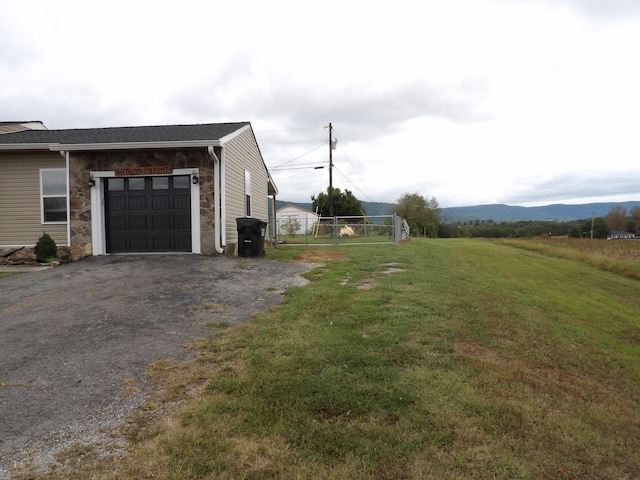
<point>24,146</point>
<point>70,147</point>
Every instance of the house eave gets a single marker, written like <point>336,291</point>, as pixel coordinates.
<point>70,147</point>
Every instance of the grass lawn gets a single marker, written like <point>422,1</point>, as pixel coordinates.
<point>434,359</point>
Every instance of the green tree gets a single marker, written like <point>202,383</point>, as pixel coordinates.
<point>634,213</point>
<point>575,232</point>
<point>600,228</point>
<point>616,218</point>
<point>290,226</point>
<point>344,203</point>
<point>422,215</point>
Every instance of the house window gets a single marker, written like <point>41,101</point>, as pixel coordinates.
<point>53,188</point>
<point>247,192</point>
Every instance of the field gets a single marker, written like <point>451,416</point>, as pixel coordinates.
<point>617,256</point>
<point>432,359</point>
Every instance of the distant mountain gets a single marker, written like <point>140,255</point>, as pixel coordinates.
<point>506,213</point>
<point>500,212</point>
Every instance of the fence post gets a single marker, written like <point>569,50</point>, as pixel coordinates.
<point>306,230</point>
<point>335,230</point>
<point>397,228</point>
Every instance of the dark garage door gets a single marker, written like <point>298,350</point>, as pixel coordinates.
<point>148,214</point>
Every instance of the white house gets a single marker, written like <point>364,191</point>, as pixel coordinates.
<point>295,220</point>
<point>619,234</point>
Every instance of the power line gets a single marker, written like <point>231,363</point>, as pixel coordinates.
<point>317,165</point>
<point>287,130</point>
<point>304,154</point>
<point>352,184</point>
<point>357,168</point>
<point>289,143</point>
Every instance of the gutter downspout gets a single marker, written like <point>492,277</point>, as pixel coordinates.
<point>223,196</point>
<point>216,198</point>
<point>65,154</point>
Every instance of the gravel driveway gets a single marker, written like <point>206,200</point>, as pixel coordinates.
<point>74,337</point>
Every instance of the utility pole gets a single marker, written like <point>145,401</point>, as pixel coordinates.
<point>330,170</point>
<point>592,214</point>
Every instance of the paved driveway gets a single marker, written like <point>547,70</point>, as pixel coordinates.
<point>72,338</point>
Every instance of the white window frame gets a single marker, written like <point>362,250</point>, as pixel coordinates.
<point>247,193</point>
<point>43,171</point>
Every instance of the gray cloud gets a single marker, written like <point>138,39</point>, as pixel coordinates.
<point>608,10</point>
<point>605,9</point>
<point>365,112</point>
<point>571,187</point>
<point>65,106</point>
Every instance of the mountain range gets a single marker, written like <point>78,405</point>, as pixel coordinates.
<point>500,212</point>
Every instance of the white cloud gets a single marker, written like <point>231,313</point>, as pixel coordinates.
<point>472,101</point>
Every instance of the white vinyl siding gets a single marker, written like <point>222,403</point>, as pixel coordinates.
<point>241,154</point>
<point>20,199</point>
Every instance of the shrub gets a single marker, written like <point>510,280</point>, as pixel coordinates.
<point>46,248</point>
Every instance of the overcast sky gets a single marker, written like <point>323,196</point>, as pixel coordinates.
<point>523,102</point>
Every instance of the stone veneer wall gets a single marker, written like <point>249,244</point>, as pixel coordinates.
<point>80,191</point>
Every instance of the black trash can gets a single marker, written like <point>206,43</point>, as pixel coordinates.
<point>251,233</point>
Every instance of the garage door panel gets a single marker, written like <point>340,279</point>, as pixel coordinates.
<point>119,224</point>
<point>119,244</point>
<point>138,243</point>
<point>162,243</point>
<point>182,243</point>
<point>181,202</point>
<point>161,202</point>
<point>137,203</point>
<point>137,223</point>
<point>154,218</point>
<point>161,222</point>
<point>180,222</point>
<point>118,204</point>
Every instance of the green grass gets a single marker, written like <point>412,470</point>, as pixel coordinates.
<point>470,360</point>
<point>8,274</point>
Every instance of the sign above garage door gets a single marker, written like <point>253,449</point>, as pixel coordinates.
<point>129,171</point>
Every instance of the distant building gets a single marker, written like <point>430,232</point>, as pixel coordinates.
<point>291,213</point>
<point>619,234</point>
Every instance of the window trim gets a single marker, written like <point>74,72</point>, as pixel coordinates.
<point>43,196</point>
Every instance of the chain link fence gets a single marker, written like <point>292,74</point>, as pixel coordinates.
<point>293,230</point>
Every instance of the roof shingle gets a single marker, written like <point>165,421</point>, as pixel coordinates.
<point>157,133</point>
